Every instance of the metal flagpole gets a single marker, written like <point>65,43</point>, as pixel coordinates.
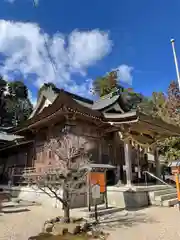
<point>178,78</point>
<point>175,61</point>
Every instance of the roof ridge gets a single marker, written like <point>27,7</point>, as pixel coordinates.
<point>58,90</point>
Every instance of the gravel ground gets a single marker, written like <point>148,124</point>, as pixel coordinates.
<point>20,226</point>
<point>153,223</point>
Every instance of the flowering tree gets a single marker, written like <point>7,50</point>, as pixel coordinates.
<point>67,172</point>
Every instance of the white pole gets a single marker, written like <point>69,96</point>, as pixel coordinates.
<point>175,62</point>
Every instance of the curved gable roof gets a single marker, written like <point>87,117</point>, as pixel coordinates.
<point>45,94</point>
<point>62,100</point>
<point>51,94</point>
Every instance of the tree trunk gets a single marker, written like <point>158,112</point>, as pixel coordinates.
<point>66,206</point>
<point>66,213</point>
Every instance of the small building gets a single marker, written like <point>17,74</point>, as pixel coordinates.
<point>174,166</point>
<point>6,140</point>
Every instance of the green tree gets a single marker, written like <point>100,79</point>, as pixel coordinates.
<point>18,90</point>
<point>15,106</point>
<point>18,104</point>
<point>171,112</point>
<point>18,110</point>
<point>173,103</point>
<point>146,105</point>
<point>106,84</point>
<point>110,84</point>
<point>156,106</point>
<point>167,108</point>
<point>3,85</point>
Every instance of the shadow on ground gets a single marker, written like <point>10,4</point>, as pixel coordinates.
<point>130,220</point>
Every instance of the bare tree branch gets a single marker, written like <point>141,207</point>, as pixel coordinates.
<point>68,170</point>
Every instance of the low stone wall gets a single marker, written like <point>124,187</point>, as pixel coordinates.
<point>47,198</point>
<point>36,195</point>
<point>127,198</point>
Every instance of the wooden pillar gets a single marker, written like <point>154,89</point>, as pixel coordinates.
<point>157,162</point>
<point>106,197</point>
<point>100,150</point>
<point>128,163</point>
<point>118,146</point>
<point>34,157</point>
<point>138,164</point>
<point>88,192</point>
<point>118,174</point>
<point>34,150</point>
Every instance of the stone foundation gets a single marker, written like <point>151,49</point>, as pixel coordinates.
<point>131,196</point>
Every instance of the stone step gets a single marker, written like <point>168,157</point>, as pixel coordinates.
<point>14,209</point>
<point>164,197</point>
<point>9,204</point>
<point>162,192</point>
<point>18,203</point>
<point>170,202</point>
<point>103,212</point>
<point>153,188</point>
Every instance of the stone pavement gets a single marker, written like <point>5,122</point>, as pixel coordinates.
<point>152,223</point>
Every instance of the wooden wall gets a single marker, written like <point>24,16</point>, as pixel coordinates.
<point>100,148</point>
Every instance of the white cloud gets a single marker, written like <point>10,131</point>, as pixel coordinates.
<point>85,48</point>
<point>83,89</point>
<point>125,73</point>
<point>22,46</point>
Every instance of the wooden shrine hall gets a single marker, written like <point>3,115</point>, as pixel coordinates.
<point>116,134</point>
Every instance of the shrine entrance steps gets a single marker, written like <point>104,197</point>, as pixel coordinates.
<point>165,198</point>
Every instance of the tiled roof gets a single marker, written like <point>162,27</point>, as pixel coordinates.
<point>62,100</point>
<point>105,102</point>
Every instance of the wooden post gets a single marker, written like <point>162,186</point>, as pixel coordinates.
<point>178,188</point>
<point>12,176</point>
<point>100,151</point>
<point>127,151</point>
<point>96,211</point>
<point>157,162</point>
<point>106,197</point>
<point>88,192</point>
<point>34,154</point>
<point>138,164</point>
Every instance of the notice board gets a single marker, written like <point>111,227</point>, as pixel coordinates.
<point>98,178</point>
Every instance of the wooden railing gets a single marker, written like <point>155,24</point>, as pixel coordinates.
<point>20,171</point>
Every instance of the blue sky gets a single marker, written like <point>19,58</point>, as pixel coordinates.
<point>93,38</point>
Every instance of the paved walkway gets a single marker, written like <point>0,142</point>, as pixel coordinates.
<point>153,223</point>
